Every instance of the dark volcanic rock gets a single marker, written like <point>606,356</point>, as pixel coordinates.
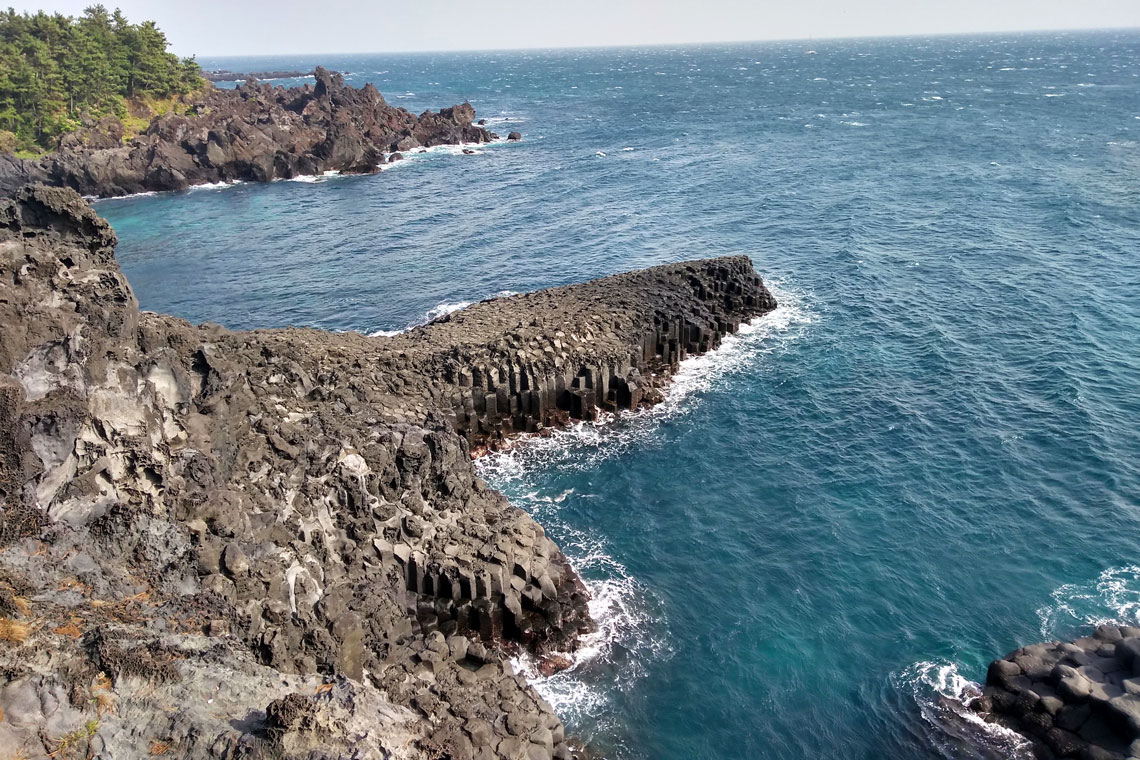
<point>273,544</point>
<point>254,133</point>
<point>514,136</point>
<point>1073,699</point>
<point>225,75</point>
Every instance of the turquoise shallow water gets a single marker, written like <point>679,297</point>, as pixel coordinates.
<point>925,458</point>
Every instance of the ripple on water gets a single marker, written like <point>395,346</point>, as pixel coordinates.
<point>632,622</point>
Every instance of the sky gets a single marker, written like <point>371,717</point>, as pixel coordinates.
<point>256,27</point>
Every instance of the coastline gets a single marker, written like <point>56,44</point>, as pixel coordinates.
<point>255,132</point>
<point>385,165</point>
<point>383,488</point>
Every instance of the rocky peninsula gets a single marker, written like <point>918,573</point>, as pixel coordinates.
<point>253,133</point>
<point>1076,699</point>
<point>261,544</point>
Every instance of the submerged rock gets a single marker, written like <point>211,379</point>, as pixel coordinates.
<point>274,543</point>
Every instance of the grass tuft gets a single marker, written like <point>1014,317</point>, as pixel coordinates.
<point>12,631</point>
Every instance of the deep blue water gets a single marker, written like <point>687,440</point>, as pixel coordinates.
<point>925,458</point>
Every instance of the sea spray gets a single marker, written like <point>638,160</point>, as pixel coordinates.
<point>584,444</point>
<point>944,699</point>
<point>632,621</point>
<point>1074,608</point>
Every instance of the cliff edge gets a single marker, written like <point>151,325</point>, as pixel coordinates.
<point>273,543</point>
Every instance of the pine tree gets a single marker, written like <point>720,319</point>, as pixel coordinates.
<point>55,70</point>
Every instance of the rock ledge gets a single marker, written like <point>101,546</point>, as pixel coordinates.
<point>273,544</point>
<point>1073,699</point>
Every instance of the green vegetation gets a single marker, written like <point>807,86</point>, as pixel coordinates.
<point>55,69</point>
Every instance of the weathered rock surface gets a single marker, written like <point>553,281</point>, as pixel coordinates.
<point>274,543</point>
<point>253,133</point>
<point>1073,699</point>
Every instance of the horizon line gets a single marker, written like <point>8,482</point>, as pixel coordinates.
<point>697,43</point>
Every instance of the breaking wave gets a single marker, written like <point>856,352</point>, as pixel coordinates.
<point>1114,597</point>
<point>585,444</point>
<point>944,698</point>
<point>632,622</point>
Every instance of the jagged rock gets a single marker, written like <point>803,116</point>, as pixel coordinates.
<point>274,543</point>
<point>253,133</point>
<point>514,136</point>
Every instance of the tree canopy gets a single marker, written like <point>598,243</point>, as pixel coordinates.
<point>55,69</point>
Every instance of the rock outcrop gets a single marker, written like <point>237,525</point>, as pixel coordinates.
<point>252,133</point>
<point>1073,699</point>
<point>274,543</point>
<point>225,75</point>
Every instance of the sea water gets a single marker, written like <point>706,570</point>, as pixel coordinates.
<point>926,457</point>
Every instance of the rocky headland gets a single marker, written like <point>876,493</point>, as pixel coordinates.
<point>225,75</point>
<point>1077,699</point>
<point>254,133</point>
<point>273,544</point>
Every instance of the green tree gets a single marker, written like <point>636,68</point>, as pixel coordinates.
<point>55,69</point>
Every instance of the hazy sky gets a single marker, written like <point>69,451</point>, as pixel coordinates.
<point>249,27</point>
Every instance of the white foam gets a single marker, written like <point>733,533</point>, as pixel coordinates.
<point>505,119</point>
<point>583,444</point>
<point>434,313</point>
<point>945,698</point>
<point>310,178</point>
<point>443,309</point>
<point>1114,597</point>
<point>632,632</point>
<point>412,154</point>
<point>96,198</point>
<point>216,185</point>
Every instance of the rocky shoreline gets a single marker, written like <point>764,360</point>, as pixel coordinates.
<point>225,75</point>
<point>1076,699</point>
<point>274,543</point>
<point>253,133</point>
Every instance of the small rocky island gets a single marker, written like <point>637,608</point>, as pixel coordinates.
<point>1076,699</point>
<point>273,544</point>
<point>253,133</point>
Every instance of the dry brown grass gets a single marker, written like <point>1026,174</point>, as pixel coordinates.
<point>159,748</point>
<point>68,629</point>
<point>13,631</point>
<point>101,695</point>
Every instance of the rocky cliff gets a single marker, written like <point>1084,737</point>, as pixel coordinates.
<point>1073,699</point>
<point>253,133</point>
<point>273,543</point>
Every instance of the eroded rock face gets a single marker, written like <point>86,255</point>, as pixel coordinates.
<point>253,133</point>
<point>1073,699</point>
<point>273,543</point>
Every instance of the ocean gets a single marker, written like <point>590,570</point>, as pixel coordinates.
<point>926,457</point>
